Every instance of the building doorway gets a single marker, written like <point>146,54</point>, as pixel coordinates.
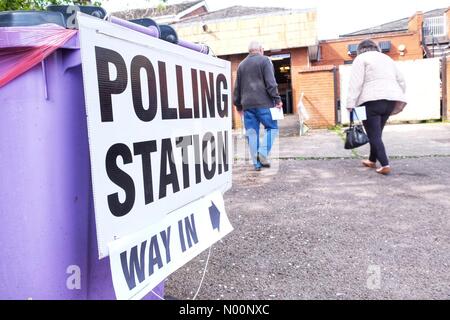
<point>282,66</point>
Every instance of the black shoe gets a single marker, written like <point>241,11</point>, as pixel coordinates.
<point>264,162</point>
<point>258,169</point>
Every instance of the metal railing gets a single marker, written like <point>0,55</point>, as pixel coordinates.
<point>435,26</point>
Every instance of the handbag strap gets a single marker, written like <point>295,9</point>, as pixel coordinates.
<point>353,112</point>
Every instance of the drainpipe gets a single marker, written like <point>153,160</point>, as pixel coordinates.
<point>424,42</point>
<point>336,106</point>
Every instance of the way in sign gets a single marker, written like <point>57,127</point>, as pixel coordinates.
<point>134,262</point>
<point>140,261</point>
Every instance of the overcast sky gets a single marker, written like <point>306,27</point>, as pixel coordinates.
<point>334,16</point>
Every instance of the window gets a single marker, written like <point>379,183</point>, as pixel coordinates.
<point>385,46</point>
<point>352,48</point>
<point>435,26</point>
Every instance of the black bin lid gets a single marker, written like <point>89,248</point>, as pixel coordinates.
<point>66,11</point>
<point>30,18</point>
<point>168,33</point>
<point>146,22</point>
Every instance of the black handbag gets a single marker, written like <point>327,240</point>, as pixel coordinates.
<point>355,136</point>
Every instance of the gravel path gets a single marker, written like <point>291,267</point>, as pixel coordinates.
<point>330,229</point>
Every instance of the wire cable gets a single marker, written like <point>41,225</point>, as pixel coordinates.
<point>201,281</point>
<point>204,273</point>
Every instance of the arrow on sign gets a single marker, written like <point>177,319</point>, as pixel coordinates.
<point>214,214</point>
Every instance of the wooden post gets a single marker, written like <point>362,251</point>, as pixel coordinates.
<point>445,86</point>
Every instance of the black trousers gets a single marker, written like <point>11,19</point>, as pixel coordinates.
<point>378,113</point>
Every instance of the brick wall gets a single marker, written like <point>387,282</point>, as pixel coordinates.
<point>415,22</point>
<point>235,60</point>
<point>299,60</point>
<point>317,84</point>
<point>447,13</point>
<point>335,52</point>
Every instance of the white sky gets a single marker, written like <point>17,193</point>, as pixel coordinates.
<point>334,16</point>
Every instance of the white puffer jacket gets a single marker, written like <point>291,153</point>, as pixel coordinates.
<point>375,76</point>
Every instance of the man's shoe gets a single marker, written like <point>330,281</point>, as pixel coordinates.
<point>369,164</point>
<point>258,169</point>
<point>384,170</point>
<point>264,162</point>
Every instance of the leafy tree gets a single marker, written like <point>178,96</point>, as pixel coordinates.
<point>39,4</point>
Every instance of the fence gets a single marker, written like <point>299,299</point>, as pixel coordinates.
<point>423,91</point>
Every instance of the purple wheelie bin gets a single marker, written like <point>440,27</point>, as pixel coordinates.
<point>48,239</point>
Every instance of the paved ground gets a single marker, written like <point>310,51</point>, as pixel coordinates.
<point>331,229</point>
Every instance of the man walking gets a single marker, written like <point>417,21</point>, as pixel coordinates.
<point>255,92</point>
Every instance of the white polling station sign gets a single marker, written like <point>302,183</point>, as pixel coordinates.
<point>143,260</point>
<point>159,125</point>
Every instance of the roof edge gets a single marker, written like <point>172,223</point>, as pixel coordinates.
<point>193,8</point>
<point>344,36</point>
<point>373,36</point>
<point>195,4</point>
<point>406,19</point>
<point>282,12</point>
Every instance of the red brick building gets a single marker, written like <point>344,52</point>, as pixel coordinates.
<point>423,35</point>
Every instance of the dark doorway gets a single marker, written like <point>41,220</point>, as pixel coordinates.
<point>282,66</point>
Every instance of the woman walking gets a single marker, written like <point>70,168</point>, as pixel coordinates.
<point>377,84</point>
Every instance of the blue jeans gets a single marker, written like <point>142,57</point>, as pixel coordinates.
<point>252,119</point>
